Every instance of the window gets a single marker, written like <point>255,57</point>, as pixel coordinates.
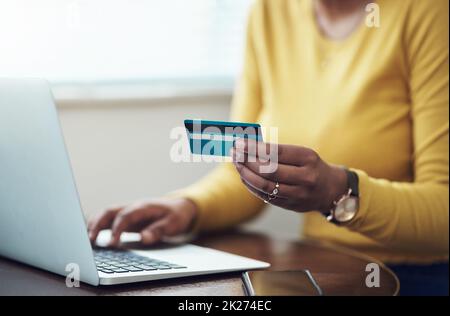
<point>86,41</point>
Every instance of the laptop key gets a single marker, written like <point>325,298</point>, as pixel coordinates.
<point>110,267</point>
<point>146,268</point>
<point>134,269</point>
<point>111,262</point>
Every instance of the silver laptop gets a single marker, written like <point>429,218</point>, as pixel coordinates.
<point>41,221</point>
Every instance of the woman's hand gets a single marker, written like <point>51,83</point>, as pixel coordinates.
<point>154,219</point>
<point>306,182</point>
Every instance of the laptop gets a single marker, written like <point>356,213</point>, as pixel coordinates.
<point>41,220</point>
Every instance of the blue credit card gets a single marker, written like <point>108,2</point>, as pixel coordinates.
<point>216,138</point>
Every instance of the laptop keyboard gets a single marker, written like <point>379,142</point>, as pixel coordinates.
<point>119,261</point>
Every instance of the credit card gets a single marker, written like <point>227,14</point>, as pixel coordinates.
<point>216,138</point>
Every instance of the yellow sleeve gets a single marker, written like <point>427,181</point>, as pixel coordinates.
<point>222,199</point>
<point>415,216</point>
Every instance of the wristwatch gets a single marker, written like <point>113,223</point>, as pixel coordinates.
<point>346,207</point>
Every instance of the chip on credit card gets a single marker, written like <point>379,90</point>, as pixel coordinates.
<point>216,138</point>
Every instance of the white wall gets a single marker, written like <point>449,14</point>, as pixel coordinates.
<point>120,152</point>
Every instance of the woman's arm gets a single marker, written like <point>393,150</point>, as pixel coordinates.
<point>415,216</point>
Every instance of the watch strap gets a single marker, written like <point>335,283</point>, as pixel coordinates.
<point>352,182</point>
<point>353,190</point>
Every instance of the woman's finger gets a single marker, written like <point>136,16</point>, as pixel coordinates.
<point>102,221</point>
<point>154,232</point>
<point>287,174</point>
<point>129,217</point>
<point>257,191</point>
<point>278,201</point>
<point>285,154</point>
<point>264,185</point>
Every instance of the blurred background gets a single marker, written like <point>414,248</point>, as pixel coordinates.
<point>123,74</point>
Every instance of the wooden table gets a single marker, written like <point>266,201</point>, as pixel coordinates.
<point>337,271</point>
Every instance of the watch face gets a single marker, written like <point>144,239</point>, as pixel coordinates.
<point>346,209</point>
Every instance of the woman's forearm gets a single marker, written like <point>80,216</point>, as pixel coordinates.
<point>406,216</point>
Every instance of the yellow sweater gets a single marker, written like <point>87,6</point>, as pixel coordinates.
<point>376,102</point>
